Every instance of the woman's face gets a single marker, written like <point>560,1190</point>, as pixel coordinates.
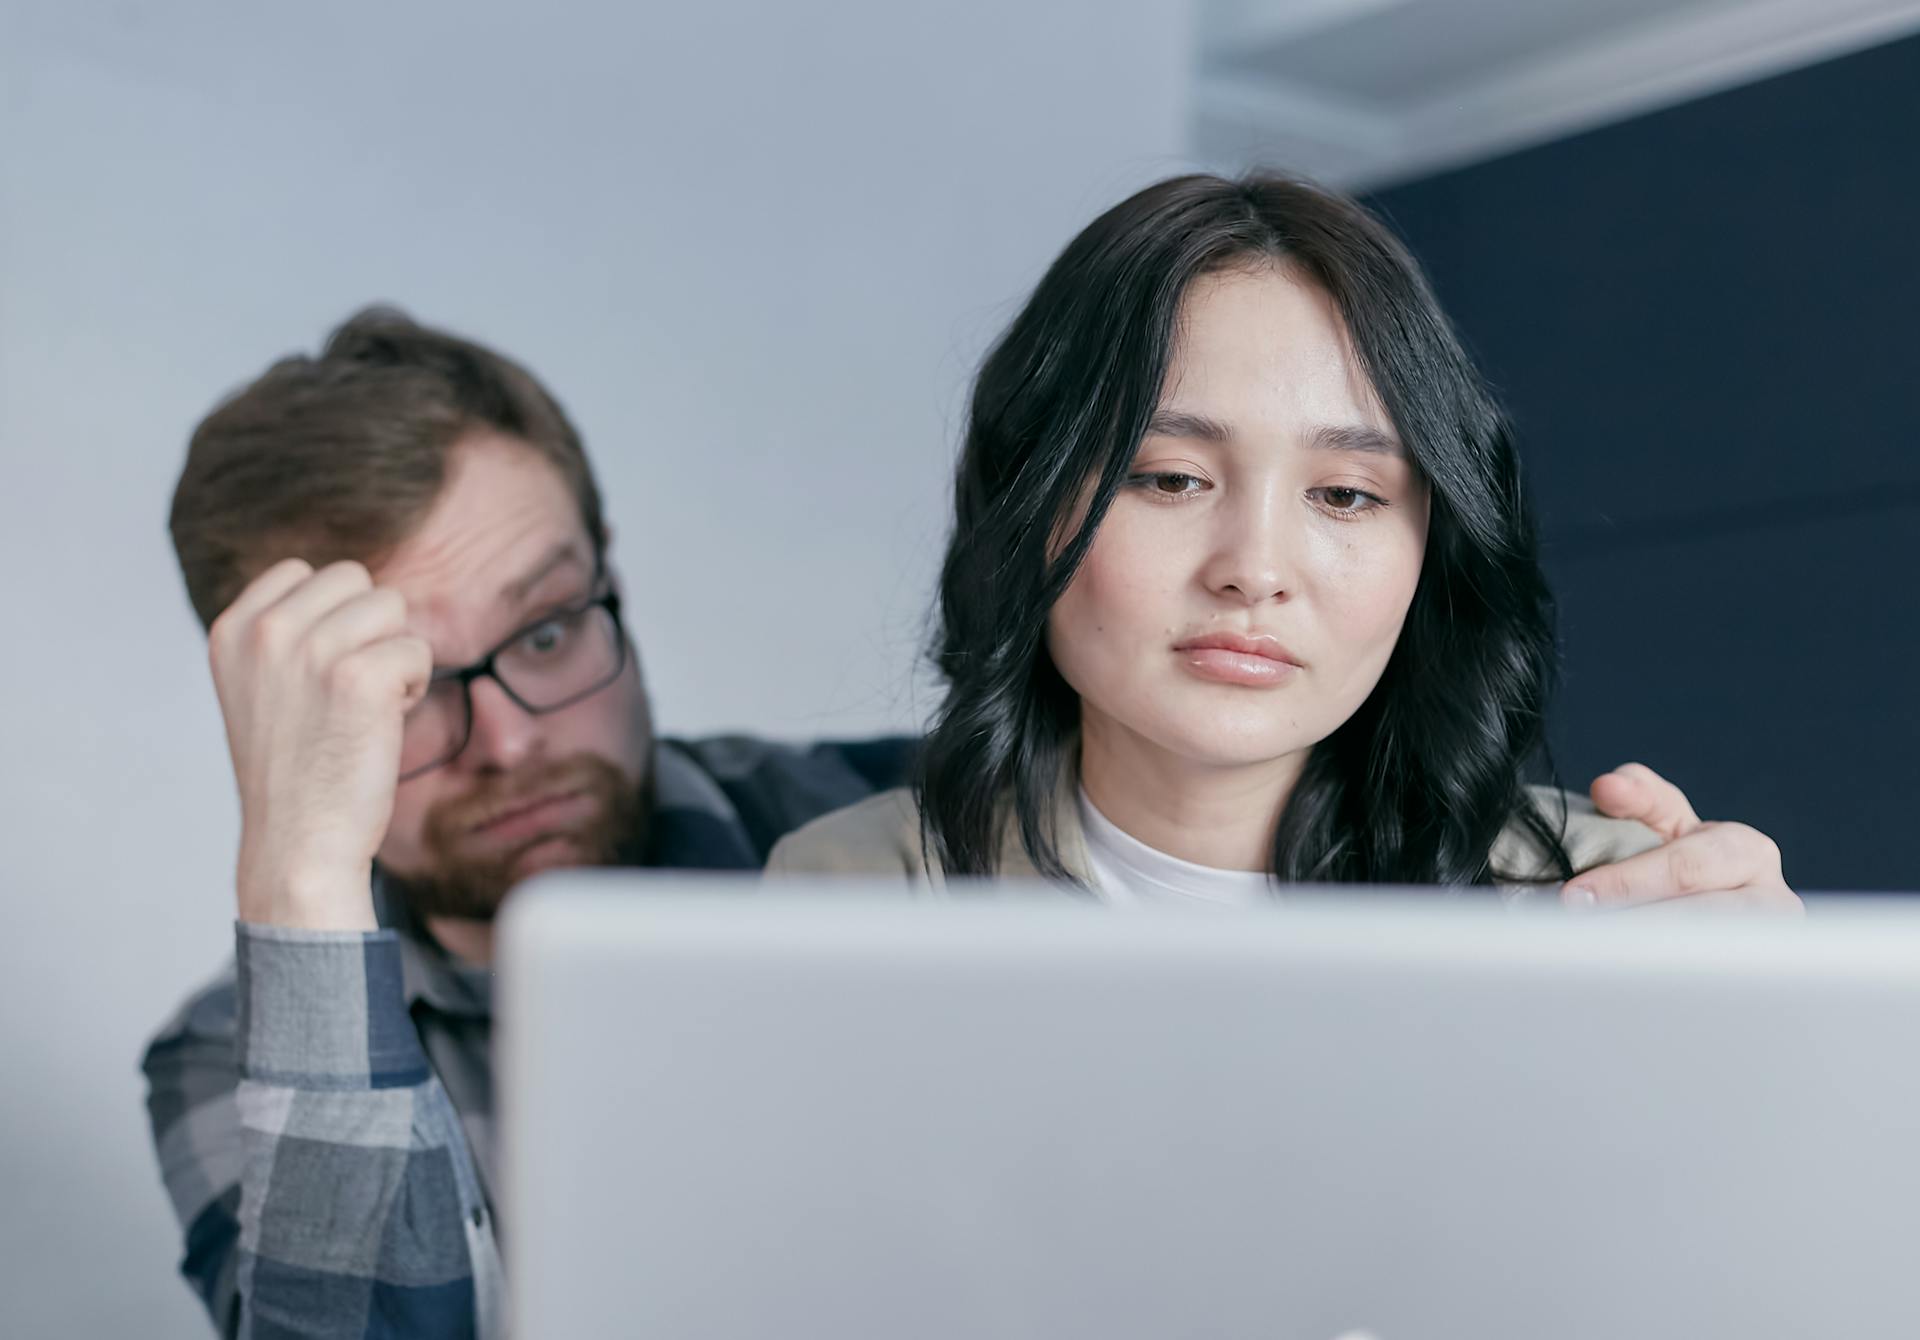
<point>1243,595</point>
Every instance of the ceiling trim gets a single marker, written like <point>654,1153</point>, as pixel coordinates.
<point>1239,24</point>
<point>1241,122</point>
<point>1653,65</point>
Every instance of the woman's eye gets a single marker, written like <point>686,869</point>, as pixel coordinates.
<point>1170,483</point>
<point>1348,500</point>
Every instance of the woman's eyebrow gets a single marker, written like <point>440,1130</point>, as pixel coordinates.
<point>1180,423</point>
<point>1355,437</point>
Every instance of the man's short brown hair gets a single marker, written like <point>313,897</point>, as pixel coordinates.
<point>341,456</point>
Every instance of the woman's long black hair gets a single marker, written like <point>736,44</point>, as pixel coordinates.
<point>1418,783</point>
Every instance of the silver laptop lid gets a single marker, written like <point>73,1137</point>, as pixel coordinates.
<point>1417,1119</point>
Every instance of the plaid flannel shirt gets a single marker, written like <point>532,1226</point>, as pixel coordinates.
<point>323,1110</point>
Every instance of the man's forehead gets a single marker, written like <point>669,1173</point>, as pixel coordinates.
<point>445,598</point>
<point>500,506</point>
<point>505,530</point>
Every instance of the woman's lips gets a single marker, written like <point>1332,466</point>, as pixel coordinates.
<point>1251,661</point>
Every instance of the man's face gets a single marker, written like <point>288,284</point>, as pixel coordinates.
<point>503,549</point>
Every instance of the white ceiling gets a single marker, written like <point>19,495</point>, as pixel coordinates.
<point>1361,93</point>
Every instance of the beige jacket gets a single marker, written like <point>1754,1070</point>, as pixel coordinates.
<point>881,836</point>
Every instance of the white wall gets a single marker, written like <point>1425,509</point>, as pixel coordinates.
<point>754,246</point>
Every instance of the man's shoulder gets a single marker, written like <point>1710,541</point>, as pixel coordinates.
<point>776,787</point>
<point>191,1064</point>
<point>874,764</point>
<point>209,1014</point>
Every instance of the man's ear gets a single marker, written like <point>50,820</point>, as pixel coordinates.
<point>606,560</point>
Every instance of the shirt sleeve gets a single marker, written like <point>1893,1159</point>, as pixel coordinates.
<point>317,1165</point>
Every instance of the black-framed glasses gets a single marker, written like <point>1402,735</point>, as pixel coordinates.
<point>549,664</point>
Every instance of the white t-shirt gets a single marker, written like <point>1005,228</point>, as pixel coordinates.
<point>1127,870</point>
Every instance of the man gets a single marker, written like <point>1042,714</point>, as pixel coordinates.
<point>322,1112</point>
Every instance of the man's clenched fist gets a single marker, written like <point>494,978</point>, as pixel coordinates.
<point>315,672</point>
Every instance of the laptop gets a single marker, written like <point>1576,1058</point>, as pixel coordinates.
<point>737,1110</point>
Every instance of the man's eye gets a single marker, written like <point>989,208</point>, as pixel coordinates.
<point>546,638</point>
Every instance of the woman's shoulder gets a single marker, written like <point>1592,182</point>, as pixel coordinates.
<point>1590,838</point>
<point>876,836</point>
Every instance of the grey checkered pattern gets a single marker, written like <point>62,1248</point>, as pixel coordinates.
<point>323,1111</point>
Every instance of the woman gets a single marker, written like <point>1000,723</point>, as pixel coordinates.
<point>1243,586</point>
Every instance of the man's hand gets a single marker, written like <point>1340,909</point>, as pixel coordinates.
<point>1698,866</point>
<point>315,672</point>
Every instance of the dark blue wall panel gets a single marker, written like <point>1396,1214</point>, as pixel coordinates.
<point>1706,322</point>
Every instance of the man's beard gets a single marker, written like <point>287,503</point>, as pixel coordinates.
<point>468,882</point>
